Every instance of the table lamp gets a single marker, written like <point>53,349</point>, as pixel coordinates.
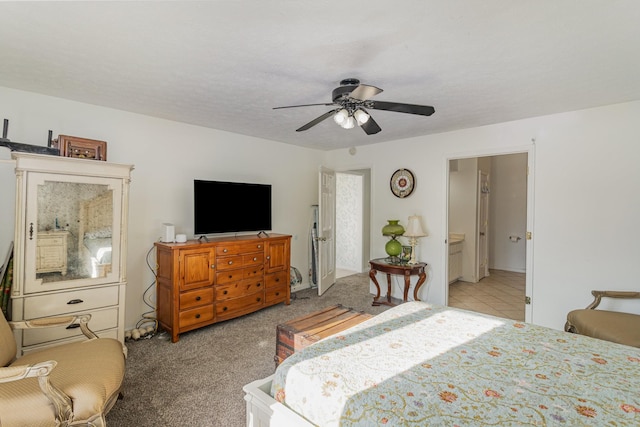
<point>413,232</point>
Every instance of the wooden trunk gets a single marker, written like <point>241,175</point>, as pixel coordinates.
<point>299,333</point>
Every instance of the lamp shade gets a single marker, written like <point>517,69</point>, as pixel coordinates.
<point>361,116</point>
<point>340,116</point>
<point>349,123</point>
<point>414,228</point>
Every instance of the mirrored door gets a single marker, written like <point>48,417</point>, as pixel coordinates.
<point>72,231</point>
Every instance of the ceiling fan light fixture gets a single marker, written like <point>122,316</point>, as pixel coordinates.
<point>349,123</point>
<point>341,116</point>
<point>361,116</point>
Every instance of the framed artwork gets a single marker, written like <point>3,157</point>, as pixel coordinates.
<point>82,148</point>
<point>402,183</point>
<point>405,256</point>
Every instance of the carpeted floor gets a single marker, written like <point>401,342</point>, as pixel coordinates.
<point>198,380</point>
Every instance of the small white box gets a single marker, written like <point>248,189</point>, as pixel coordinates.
<point>168,233</point>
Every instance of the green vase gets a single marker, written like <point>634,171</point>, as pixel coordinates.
<point>393,228</point>
<point>393,247</point>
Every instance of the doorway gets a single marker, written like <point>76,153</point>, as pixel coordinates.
<point>353,224</point>
<point>488,215</point>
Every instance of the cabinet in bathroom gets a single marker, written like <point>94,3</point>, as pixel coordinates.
<point>455,260</point>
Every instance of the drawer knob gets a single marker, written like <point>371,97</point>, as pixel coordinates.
<point>225,292</point>
<point>73,326</point>
<point>230,262</point>
<point>255,258</point>
<point>259,246</point>
<point>258,284</point>
<point>198,316</point>
<point>213,266</point>
<point>75,301</point>
<point>258,299</point>
<point>277,293</point>
<point>277,279</point>
<point>230,276</point>
<point>198,298</point>
<point>268,257</point>
<point>225,250</point>
<point>224,308</point>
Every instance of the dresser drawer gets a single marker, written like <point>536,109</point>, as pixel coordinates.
<point>196,315</point>
<point>229,262</point>
<point>236,304</point>
<point>69,302</point>
<point>277,279</point>
<point>100,320</point>
<point>235,290</point>
<point>196,298</point>
<point>253,271</point>
<point>237,261</point>
<point>51,241</point>
<point>275,294</point>
<point>229,276</point>
<point>253,259</point>
<point>238,248</point>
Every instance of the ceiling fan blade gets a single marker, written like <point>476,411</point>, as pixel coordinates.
<point>370,126</point>
<point>423,110</point>
<point>364,92</point>
<point>316,120</point>
<point>303,105</point>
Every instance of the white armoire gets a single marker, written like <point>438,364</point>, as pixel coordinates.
<point>70,246</point>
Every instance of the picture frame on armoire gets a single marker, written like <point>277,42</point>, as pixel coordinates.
<point>82,148</point>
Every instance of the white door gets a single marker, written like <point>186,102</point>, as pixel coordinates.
<point>483,226</point>
<point>326,230</point>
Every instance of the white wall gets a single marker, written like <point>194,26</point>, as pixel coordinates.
<point>508,212</point>
<point>167,157</point>
<point>586,202</point>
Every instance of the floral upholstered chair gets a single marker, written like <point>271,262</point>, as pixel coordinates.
<point>622,328</point>
<point>66,385</point>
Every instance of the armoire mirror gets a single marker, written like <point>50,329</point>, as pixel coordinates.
<point>74,231</point>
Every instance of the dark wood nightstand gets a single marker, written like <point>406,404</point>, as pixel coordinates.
<point>402,269</point>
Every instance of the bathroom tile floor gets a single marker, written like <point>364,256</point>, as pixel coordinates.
<point>500,294</point>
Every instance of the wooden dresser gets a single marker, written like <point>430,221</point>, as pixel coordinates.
<point>200,283</point>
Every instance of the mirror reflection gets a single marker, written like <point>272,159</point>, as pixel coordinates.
<point>74,231</point>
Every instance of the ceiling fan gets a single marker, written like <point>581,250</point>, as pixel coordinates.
<point>351,101</point>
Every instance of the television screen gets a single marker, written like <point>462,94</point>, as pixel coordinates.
<point>229,207</point>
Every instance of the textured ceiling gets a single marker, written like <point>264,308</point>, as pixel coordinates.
<point>226,64</point>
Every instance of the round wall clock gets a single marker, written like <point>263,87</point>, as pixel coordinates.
<point>402,183</point>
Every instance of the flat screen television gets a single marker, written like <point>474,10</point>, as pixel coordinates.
<point>231,207</point>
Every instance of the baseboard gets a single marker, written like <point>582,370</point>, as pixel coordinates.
<point>300,286</point>
<point>511,270</point>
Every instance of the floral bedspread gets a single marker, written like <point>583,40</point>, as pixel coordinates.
<point>421,364</point>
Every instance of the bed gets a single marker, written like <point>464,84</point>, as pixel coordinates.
<point>95,228</point>
<point>423,364</point>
